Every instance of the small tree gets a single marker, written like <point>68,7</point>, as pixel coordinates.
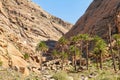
<point>41,46</point>
<point>55,54</point>
<point>26,56</point>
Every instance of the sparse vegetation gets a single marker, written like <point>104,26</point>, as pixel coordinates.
<point>26,56</point>
<point>1,63</point>
<point>60,76</point>
<point>9,74</point>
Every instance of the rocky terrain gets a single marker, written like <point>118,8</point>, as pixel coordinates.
<point>97,17</point>
<point>23,24</point>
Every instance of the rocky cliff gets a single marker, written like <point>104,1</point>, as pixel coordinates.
<point>22,25</point>
<point>97,17</point>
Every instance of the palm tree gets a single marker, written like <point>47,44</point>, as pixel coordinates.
<point>74,53</point>
<point>86,39</point>
<point>55,54</point>
<point>62,43</point>
<point>80,38</point>
<point>96,55</point>
<point>99,49</point>
<point>63,56</point>
<point>117,39</point>
<point>71,49</point>
<point>74,42</point>
<point>110,41</point>
<point>41,46</point>
<point>78,42</point>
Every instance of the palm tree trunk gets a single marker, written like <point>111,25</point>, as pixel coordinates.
<point>62,67</point>
<point>41,61</point>
<point>73,60</point>
<point>113,59</point>
<point>101,61</point>
<point>80,62</point>
<point>113,55</point>
<point>119,57</point>
<point>87,56</point>
<point>118,49</point>
<point>97,61</point>
<point>62,63</point>
<point>75,64</point>
<point>80,55</point>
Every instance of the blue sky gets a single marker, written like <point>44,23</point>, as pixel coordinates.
<point>68,10</point>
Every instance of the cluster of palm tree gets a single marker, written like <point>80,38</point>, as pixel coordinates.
<point>79,47</point>
<point>73,49</point>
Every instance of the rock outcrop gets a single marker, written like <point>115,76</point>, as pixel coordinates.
<point>99,15</point>
<point>22,25</point>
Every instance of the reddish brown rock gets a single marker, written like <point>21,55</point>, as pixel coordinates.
<point>97,17</point>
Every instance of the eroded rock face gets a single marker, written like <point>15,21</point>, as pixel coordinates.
<point>22,25</point>
<point>25,23</point>
<point>97,17</point>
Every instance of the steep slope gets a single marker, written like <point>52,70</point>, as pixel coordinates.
<point>22,25</point>
<point>97,17</point>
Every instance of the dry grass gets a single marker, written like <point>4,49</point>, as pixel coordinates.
<point>9,74</point>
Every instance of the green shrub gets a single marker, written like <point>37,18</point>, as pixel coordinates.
<point>60,76</point>
<point>26,56</point>
<point>106,78</point>
<point>1,63</point>
<point>118,78</point>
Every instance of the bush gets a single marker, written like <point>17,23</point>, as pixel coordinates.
<point>106,78</point>
<point>26,56</point>
<point>118,78</point>
<point>60,76</point>
<point>1,63</point>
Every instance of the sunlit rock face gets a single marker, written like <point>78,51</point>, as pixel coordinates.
<point>97,17</point>
<point>22,25</point>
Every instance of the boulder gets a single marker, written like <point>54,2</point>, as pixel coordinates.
<point>13,51</point>
<point>24,71</point>
<point>70,78</point>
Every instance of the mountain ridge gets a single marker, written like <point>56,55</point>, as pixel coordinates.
<point>96,19</point>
